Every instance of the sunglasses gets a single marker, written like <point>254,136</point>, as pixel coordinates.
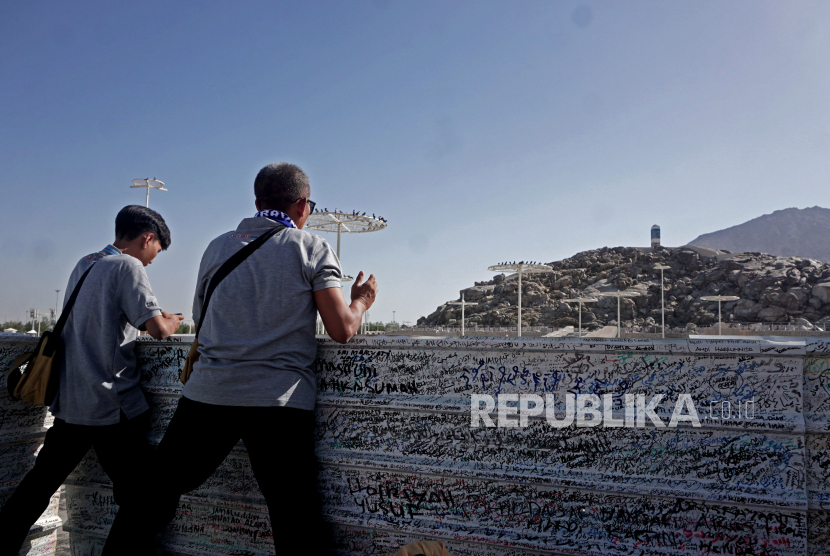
<point>311,203</point>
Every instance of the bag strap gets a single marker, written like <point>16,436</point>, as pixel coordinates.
<point>232,263</point>
<point>49,348</point>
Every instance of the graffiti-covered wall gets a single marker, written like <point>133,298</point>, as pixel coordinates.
<point>22,428</point>
<point>403,458</point>
<point>699,446</point>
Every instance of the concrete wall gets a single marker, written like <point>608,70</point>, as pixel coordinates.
<point>401,461</point>
<point>22,428</point>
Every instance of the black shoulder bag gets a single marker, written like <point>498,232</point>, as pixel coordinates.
<point>38,383</point>
<point>224,270</point>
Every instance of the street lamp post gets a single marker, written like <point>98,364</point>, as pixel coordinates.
<point>580,300</point>
<point>661,268</point>
<point>719,298</point>
<point>520,268</point>
<point>35,315</point>
<point>148,184</point>
<point>364,324</point>
<point>463,304</point>
<point>619,295</point>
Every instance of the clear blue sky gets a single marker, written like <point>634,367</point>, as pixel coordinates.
<point>483,131</point>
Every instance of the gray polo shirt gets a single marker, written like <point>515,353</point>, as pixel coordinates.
<point>257,341</point>
<point>98,375</point>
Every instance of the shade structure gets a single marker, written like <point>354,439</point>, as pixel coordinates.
<point>661,268</point>
<point>719,299</point>
<point>147,183</point>
<point>619,295</point>
<point>580,300</point>
<point>520,268</point>
<point>463,305</point>
<point>344,223</point>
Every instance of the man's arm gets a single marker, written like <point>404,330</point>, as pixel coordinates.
<point>163,325</point>
<point>136,298</point>
<point>343,321</point>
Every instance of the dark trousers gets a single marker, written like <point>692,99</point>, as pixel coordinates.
<point>280,444</point>
<point>122,450</point>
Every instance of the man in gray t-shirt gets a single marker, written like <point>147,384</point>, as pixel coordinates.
<point>253,380</point>
<point>257,339</point>
<point>99,404</point>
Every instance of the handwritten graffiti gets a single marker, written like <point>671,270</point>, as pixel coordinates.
<point>704,464</point>
<point>448,377</point>
<point>537,517</point>
<point>401,463</point>
<point>22,429</point>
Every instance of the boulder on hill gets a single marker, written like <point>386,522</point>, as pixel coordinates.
<point>771,289</point>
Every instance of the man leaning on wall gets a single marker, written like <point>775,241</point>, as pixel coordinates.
<point>99,403</point>
<point>253,380</point>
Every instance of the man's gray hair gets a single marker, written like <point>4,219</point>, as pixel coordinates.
<point>280,184</point>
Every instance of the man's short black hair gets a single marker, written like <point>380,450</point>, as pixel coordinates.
<point>280,184</point>
<point>134,220</point>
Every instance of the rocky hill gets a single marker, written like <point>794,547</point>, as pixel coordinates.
<point>772,289</point>
<point>790,232</point>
